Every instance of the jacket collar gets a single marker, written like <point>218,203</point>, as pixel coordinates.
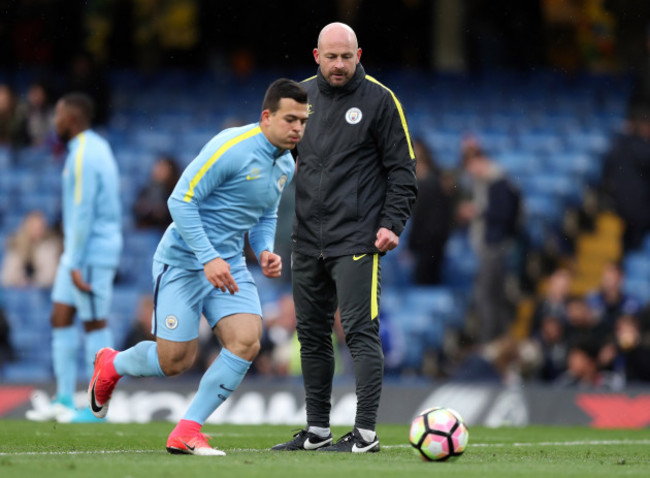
<point>267,146</point>
<point>349,87</point>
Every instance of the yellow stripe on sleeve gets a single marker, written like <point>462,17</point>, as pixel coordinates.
<point>374,307</point>
<point>402,117</point>
<point>215,157</point>
<point>78,168</point>
<point>307,79</point>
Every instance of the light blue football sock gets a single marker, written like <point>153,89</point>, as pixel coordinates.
<point>218,382</point>
<point>141,360</point>
<point>95,340</point>
<point>65,345</point>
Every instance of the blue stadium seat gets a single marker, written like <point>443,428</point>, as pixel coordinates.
<point>636,266</point>
<point>540,142</point>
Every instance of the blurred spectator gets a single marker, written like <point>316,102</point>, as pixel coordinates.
<point>633,350</point>
<point>283,228</point>
<point>279,346</point>
<point>13,130</point>
<point>550,339</point>
<point>493,214</point>
<point>549,325</point>
<point>6,351</point>
<point>504,360</point>
<point>431,219</point>
<point>555,299</point>
<point>32,254</point>
<point>150,208</point>
<point>85,76</point>
<point>581,322</point>
<point>625,178</point>
<point>610,302</point>
<point>39,114</point>
<point>583,370</point>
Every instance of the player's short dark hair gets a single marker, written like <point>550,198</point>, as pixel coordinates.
<point>82,103</point>
<point>283,88</point>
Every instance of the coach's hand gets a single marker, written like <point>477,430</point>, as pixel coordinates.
<point>271,264</point>
<point>79,283</point>
<point>217,271</point>
<point>387,240</point>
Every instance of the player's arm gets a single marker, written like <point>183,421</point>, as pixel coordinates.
<point>262,237</point>
<point>85,183</point>
<point>193,187</point>
<point>398,159</point>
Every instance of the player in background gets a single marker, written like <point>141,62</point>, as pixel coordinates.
<point>92,230</point>
<point>232,187</point>
<point>355,187</point>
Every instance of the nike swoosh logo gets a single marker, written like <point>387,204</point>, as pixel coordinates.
<point>250,178</point>
<point>93,404</point>
<point>226,388</point>
<point>356,258</point>
<point>191,448</point>
<point>308,445</point>
<point>357,449</point>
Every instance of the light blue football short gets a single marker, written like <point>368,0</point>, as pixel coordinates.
<point>90,305</point>
<point>181,296</point>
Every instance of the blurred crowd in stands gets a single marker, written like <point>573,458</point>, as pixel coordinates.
<point>597,339</point>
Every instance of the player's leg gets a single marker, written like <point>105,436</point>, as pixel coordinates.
<point>314,296</point>
<point>240,336</point>
<point>178,296</point>
<point>237,323</point>
<point>358,289</point>
<point>65,346</point>
<point>93,308</point>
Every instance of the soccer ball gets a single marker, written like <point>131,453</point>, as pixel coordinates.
<point>439,434</point>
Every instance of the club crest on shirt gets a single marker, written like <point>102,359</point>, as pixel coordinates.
<point>353,115</point>
<point>282,180</point>
<point>171,322</point>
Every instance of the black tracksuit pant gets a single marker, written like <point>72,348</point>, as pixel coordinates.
<point>319,286</point>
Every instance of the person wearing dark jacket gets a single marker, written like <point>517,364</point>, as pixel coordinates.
<point>355,188</point>
<point>494,218</point>
<point>431,221</point>
<point>625,178</point>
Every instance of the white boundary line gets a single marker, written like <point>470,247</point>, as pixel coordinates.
<point>479,445</point>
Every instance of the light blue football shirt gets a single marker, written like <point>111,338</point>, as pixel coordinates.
<point>232,187</point>
<point>92,212</point>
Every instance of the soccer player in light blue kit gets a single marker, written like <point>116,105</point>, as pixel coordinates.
<point>232,187</point>
<point>92,229</point>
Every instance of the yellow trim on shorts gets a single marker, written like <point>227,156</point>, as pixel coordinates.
<point>215,157</point>
<point>402,116</point>
<point>374,306</point>
<point>78,168</point>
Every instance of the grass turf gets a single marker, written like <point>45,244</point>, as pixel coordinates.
<point>138,450</point>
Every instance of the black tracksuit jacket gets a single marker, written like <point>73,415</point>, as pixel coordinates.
<point>356,168</point>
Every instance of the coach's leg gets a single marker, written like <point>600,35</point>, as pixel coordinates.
<point>240,336</point>
<point>358,289</point>
<point>314,296</point>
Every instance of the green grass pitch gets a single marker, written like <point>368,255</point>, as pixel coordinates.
<point>47,450</point>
